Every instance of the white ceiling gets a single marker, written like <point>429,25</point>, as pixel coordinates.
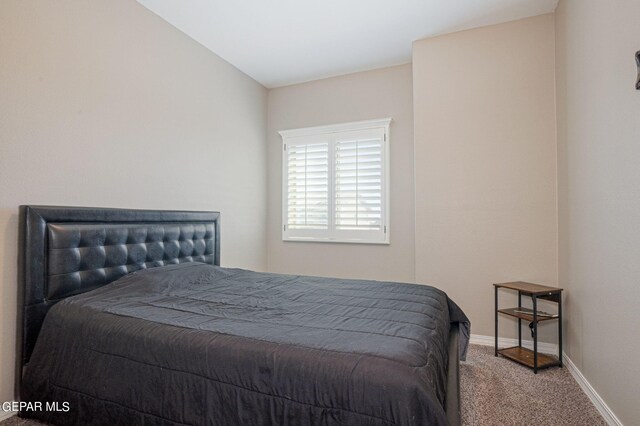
<point>281,42</point>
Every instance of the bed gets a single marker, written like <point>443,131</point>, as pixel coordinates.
<point>126,317</point>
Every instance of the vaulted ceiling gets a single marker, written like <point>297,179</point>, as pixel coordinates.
<point>281,42</point>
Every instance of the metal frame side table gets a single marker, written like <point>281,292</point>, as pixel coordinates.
<point>520,354</point>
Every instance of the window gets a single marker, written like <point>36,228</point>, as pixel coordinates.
<point>336,183</point>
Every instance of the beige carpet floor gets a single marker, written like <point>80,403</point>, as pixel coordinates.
<point>498,392</point>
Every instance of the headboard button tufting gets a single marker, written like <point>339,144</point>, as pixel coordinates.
<point>85,256</point>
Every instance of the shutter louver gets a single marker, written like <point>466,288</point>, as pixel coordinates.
<point>358,184</point>
<point>308,186</point>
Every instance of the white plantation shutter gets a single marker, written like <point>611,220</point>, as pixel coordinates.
<point>358,181</point>
<point>308,186</point>
<point>335,183</point>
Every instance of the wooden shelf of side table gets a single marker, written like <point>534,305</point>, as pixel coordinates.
<point>524,356</point>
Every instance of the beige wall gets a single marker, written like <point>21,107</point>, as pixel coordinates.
<point>599,194</point>
<point>102,103</point>
<point>485,156</point>
<point>361,96</point>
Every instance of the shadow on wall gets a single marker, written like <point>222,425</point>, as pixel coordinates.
<point>574,331</point>
<point>8,293</point>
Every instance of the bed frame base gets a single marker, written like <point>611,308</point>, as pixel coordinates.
<point>452,401</point>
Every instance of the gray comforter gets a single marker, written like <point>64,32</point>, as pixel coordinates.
<point>198,344</point>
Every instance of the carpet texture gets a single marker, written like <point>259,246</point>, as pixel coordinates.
<point>498,392</point>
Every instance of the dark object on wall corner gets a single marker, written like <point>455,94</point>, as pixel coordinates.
<point>638,64</point>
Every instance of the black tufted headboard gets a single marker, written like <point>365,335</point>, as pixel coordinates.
<point>70,250</point>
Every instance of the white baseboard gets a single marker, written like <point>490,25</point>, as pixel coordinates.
<point>503,342</point>
<point>550,348</point>
<point>596,400</point>
<point>4,415</point>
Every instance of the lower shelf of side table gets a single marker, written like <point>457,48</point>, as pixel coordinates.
<point>524,356</point>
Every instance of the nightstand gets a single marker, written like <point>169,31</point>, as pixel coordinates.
<point>520,354</point>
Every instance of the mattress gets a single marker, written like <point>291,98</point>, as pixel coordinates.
<point>200,344</point>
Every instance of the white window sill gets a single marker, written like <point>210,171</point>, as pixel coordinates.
<point>337,241</point>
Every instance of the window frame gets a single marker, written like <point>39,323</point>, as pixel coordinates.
<point>329,133</point>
